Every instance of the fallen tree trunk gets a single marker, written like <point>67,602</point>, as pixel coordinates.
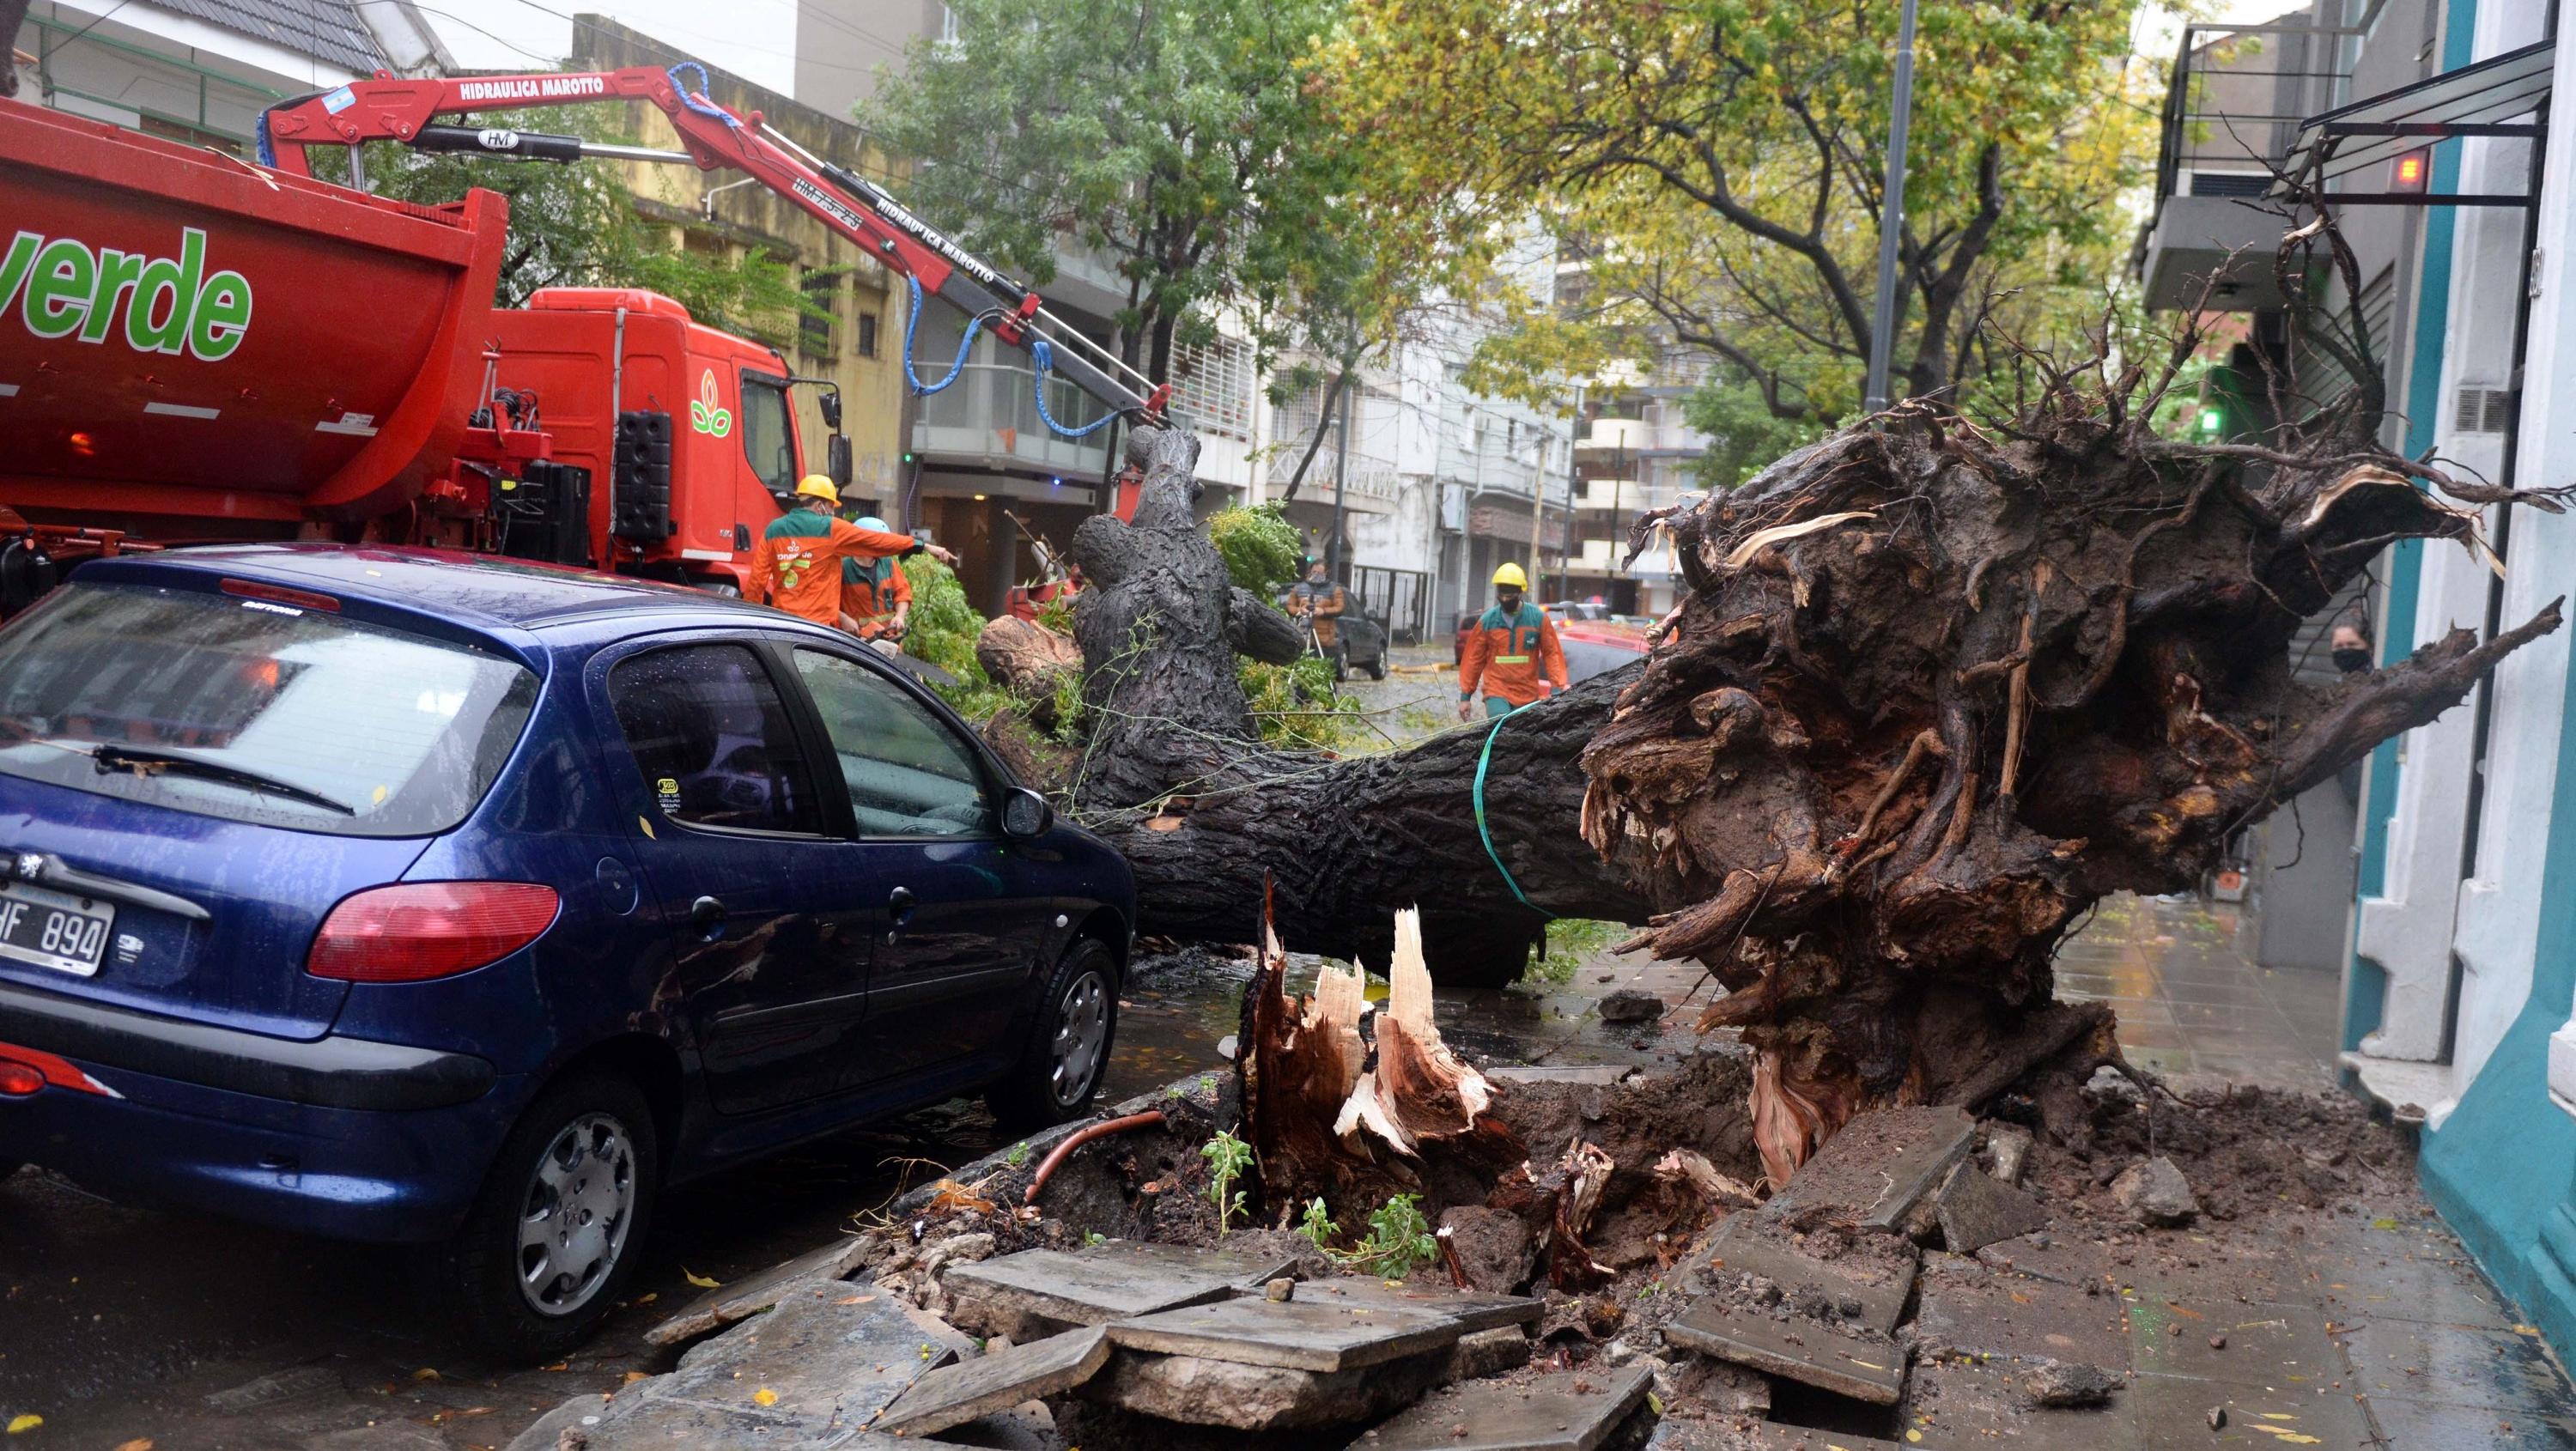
<point>1934,690</point>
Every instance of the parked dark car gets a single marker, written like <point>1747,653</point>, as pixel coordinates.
<point>1363,647</point>
<point>401,896</point>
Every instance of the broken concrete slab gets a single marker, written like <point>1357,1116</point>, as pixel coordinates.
<point>744,1298</point>
<point>1975,1210</point>
<point>1111,1280</point>
<point>1869,1287</point>
<point>1469,1310</point>
<point>2046,1256</point>
<point>1480,1353</point>
<point>1569,1411</point>
<point>1878,1167</point>
<point>2007,1152</point>
<point>1963,1403</point>
<point>1195,1390</point>
<point>1595,1076</point>
<point>955,1394</point>
<point>1298,1334</point>
<point>1864,1369</point>
<point>1968,1309</point>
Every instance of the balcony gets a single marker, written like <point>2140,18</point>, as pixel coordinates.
<point>2238,96</point>
<point>1375,482</point>
<point>989,418</point>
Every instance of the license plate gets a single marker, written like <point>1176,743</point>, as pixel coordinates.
<point>53,929</point>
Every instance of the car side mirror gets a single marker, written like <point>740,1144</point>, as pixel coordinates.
<point>836,460</point>
<point>1026,814</point>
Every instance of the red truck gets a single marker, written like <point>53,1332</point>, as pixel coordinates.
<point>196,348</point>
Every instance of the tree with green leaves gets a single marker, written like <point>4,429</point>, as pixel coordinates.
<point>1176,138</point>
<point>576,226</point>
<point>1718,166</point>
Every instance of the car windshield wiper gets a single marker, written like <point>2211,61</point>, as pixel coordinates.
<point>144,762</point>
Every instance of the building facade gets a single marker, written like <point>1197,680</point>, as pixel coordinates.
<point>2459,985</point>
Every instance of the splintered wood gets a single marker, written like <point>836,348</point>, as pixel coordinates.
<point>1324,1111</point>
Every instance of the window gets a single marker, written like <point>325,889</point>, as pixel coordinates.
<point>822,290</point>
<point>266,713</point>
<point>1212,385</point>
<point>907,772</point>
<point>867,335</point>
<point>767,439</point>
<point>713,740</point>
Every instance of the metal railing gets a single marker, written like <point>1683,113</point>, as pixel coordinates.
<point>1400,599</point>
<point>2238,95</point>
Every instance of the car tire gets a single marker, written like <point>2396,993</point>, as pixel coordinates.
<point>1377,668</point>
<point>587,1148</point>
<point>1059,1072</point>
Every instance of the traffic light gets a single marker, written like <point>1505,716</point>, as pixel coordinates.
<point>2212,421</point>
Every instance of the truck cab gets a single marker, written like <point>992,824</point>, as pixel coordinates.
<point>686,433</point>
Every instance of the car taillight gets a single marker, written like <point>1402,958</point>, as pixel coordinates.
<point>422,930</point>
<point>17,1080</point>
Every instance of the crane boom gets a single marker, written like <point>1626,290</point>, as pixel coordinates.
<point>393,108</point>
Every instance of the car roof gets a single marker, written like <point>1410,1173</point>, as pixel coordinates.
<point>477,589</point>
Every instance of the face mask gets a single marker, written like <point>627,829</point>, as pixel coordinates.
<point>2352,658</point>
<point>1510,600</point>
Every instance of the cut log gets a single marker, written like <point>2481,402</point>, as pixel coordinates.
<point>1027,658</point>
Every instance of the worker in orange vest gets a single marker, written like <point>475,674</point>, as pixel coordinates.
<point>876,597</point>
<point>796,565</point>
<point>1507,650</point>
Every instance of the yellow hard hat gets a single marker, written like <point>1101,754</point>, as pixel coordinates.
<point>818,486</point>
<point>1510,574</point>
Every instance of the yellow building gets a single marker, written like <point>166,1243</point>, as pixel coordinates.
<point>858,342</point>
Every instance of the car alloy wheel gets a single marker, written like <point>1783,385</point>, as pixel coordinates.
<point>1081,1030</point>
<point>575,1215</point>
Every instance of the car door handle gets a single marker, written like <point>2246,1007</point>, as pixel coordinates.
<point>707,915</point>
<point>900,903</point>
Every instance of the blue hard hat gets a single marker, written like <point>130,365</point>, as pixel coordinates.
<point>873,522</point>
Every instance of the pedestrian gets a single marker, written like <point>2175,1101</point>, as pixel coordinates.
<point>1322,601</point>
<point>876,596</point>
<point>2350,647</point>
<point>792,566</point>
<point>1509,649</point>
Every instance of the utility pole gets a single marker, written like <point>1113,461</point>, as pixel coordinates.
<point>1341,481</point>
<point>1891,213</point>
<point>1573,487</point>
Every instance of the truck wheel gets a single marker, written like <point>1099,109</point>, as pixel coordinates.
<point>554,1237</point>
<point>1068,1054</point>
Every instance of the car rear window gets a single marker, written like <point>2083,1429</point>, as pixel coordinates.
<point>255,711</point>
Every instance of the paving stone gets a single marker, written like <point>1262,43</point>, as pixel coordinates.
<point>1295,1334</point>
<point>955,1394</point>
<point>1800,1350</point>
<point>1604,1076</point>
<point>1976,1211</point>
<point>1198,1391</point>
<point>1568,1411</point>
<point>1968,1308</point>
<point>2464,1365</point>
<point>2174,1411</point>
<point>1468,1309</point>
<point>725,1305</point>
<point>1960,1403</point>
<point>1480,1353</point>
<point>1879,1282</point>
<point>2048,1257</point>
<point>1111,1280</point>
<point>2279,1346</point>
<point>1878,1166</point>
<point>2439,1426</point>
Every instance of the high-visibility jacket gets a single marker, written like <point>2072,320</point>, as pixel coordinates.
<point>796,565</point>
<point>1506,653</point>
<point>871,601</point>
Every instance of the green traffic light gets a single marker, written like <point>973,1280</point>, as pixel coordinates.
<point>2212,420</point>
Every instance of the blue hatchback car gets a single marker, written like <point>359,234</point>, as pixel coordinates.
<point>402,896</point>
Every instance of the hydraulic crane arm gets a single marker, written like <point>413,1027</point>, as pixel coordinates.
<point>390,108</point>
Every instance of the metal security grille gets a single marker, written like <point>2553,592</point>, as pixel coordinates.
<point>1212,385</point>
<point>2479,408</point>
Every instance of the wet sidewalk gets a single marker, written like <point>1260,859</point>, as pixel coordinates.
<point>2192,1006</point>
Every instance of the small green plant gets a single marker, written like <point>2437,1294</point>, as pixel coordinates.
<point>1318,1227</point>
<point>1227,1158</point>
<point>1018,1155</point>
<point>1567,943</point>
<point>1398,1239</point>
<point>1094,1237</point>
